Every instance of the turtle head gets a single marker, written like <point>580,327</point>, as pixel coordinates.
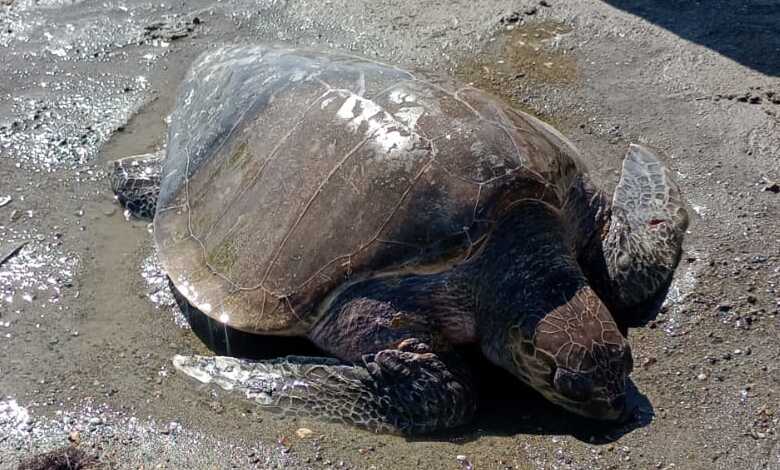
<point>575,356</point>
<point>642,241</point>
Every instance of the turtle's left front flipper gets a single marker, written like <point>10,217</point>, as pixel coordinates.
<point>642,247</point>
<point>136,183</point>
<point>396,391</point>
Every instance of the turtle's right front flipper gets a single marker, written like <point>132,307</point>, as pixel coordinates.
<point>136,182</point>
<point>642,246</point>
<point>394,390</point>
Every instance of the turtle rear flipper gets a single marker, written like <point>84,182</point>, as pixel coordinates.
<point>394,390</point>
<point>642,247</point>
<point>136,183</point>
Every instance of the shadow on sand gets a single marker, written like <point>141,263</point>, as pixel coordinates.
<point>747,32</point>
<point>507,407</point>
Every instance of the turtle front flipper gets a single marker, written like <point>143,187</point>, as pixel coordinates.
<point>405,390</point>
<point>642,246</point>
<point>136,182</point>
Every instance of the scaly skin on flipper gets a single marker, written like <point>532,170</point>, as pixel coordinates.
<point>136,183</point>
<point>634,260</point>
<point>404,391</point>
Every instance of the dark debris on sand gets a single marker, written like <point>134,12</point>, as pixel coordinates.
<point>66,458</point>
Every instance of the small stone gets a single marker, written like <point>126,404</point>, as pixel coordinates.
<point>702,376</point>
<point>772,187</point>
<point>303,433</point>
<point>96,421</point>
<point>649,361</point>
<point>5,200</point>
<point>171,428</point>
<point>464,462</point>
<point>544,3</point>
<point>530,11</point>
<point>74,437</point>
<point>216,407</point>
<point>510,18</point>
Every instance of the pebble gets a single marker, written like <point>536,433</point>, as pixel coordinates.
<point>216,407</point>
<point>702,376</point>
<point>464,462</point>
<point>303,433</point>
<point>510,18</point>
<point>171,428</point>
<point>96,421</point>
<point>5,200</point>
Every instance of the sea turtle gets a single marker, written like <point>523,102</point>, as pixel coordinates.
<point>391,217</point>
